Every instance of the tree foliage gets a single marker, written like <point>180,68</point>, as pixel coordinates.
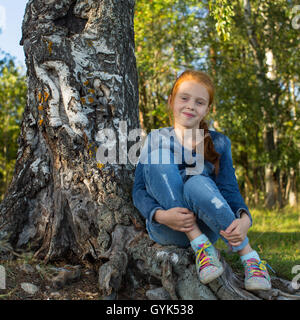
<point>12,102</point>
<point>249,99</point>
<point>166,38</point>
<point>256,74</point>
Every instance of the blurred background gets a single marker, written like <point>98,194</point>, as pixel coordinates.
<point>12,86</point>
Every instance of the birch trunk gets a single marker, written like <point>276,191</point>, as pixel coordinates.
<point>82,78</point>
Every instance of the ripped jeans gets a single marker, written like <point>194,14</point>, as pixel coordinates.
<point>200,194</point>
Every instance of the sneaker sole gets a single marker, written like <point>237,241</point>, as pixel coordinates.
<point>212,277</point>
<point>256,287</point>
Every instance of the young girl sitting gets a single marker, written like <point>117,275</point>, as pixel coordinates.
<point>183,207</point>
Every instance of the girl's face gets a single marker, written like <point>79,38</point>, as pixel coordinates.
<point>190,104</point>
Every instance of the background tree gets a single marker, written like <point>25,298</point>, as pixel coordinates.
<point>167,40</point>
<point>12,101</point>
<point>252,65</point>
<point>251,52</point>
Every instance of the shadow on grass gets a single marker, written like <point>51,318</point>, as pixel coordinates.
<point>281,250</point>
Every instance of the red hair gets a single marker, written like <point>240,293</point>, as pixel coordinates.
<point>210,154</point>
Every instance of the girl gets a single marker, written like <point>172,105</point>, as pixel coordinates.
<point>185,209</point>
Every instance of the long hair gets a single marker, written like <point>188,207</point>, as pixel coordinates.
<point>210,154</point>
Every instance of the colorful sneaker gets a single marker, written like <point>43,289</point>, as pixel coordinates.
<point>256,275</point>
<point>208,264</point>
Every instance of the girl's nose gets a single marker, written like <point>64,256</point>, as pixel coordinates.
<point>190,105</point>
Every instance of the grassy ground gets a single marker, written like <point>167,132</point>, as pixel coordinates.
<point>275,235</point>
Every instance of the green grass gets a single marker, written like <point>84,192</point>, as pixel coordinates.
<point>275,235</point>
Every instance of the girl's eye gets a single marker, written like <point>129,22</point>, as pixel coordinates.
<point>199,102</point>
<point>184,98</point>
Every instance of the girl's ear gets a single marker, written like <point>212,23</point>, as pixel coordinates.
<point>208,109</point>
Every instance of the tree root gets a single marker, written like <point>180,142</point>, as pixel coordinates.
<point>174,268</point>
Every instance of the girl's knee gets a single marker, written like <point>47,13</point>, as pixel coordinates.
<point>197,186</point>
<point>160,161</point>
<point>158,172</point>
<point>161,157</point>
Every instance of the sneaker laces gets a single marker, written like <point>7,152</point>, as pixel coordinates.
<point>257,268</point>
<point>202,258</point>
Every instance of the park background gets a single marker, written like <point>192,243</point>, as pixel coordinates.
<point>253,57</point>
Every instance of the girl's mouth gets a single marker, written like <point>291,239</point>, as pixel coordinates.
<point>189,115</point>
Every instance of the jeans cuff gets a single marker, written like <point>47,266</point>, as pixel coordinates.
<point>241,246</point>
<point>240,211</point>
<point>152,213</point>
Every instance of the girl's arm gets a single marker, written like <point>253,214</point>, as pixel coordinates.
<point>227,183</point>
<point>180,219</point>
<point>146,205</point>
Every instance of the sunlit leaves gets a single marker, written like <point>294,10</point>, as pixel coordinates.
<point>166,39</point>
<point>12,103</point>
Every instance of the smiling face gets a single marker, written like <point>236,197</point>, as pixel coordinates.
<point>191,104</point>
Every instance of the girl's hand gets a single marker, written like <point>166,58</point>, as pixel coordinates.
<point>179,219</point>
<point>237,231</point>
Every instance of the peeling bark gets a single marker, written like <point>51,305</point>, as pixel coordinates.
<point>82,78</point>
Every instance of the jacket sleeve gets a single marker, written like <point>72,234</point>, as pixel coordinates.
<point>146,205</point>
<point>227,182</point>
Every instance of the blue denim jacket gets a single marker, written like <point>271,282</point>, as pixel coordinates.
<point>226,181</point>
